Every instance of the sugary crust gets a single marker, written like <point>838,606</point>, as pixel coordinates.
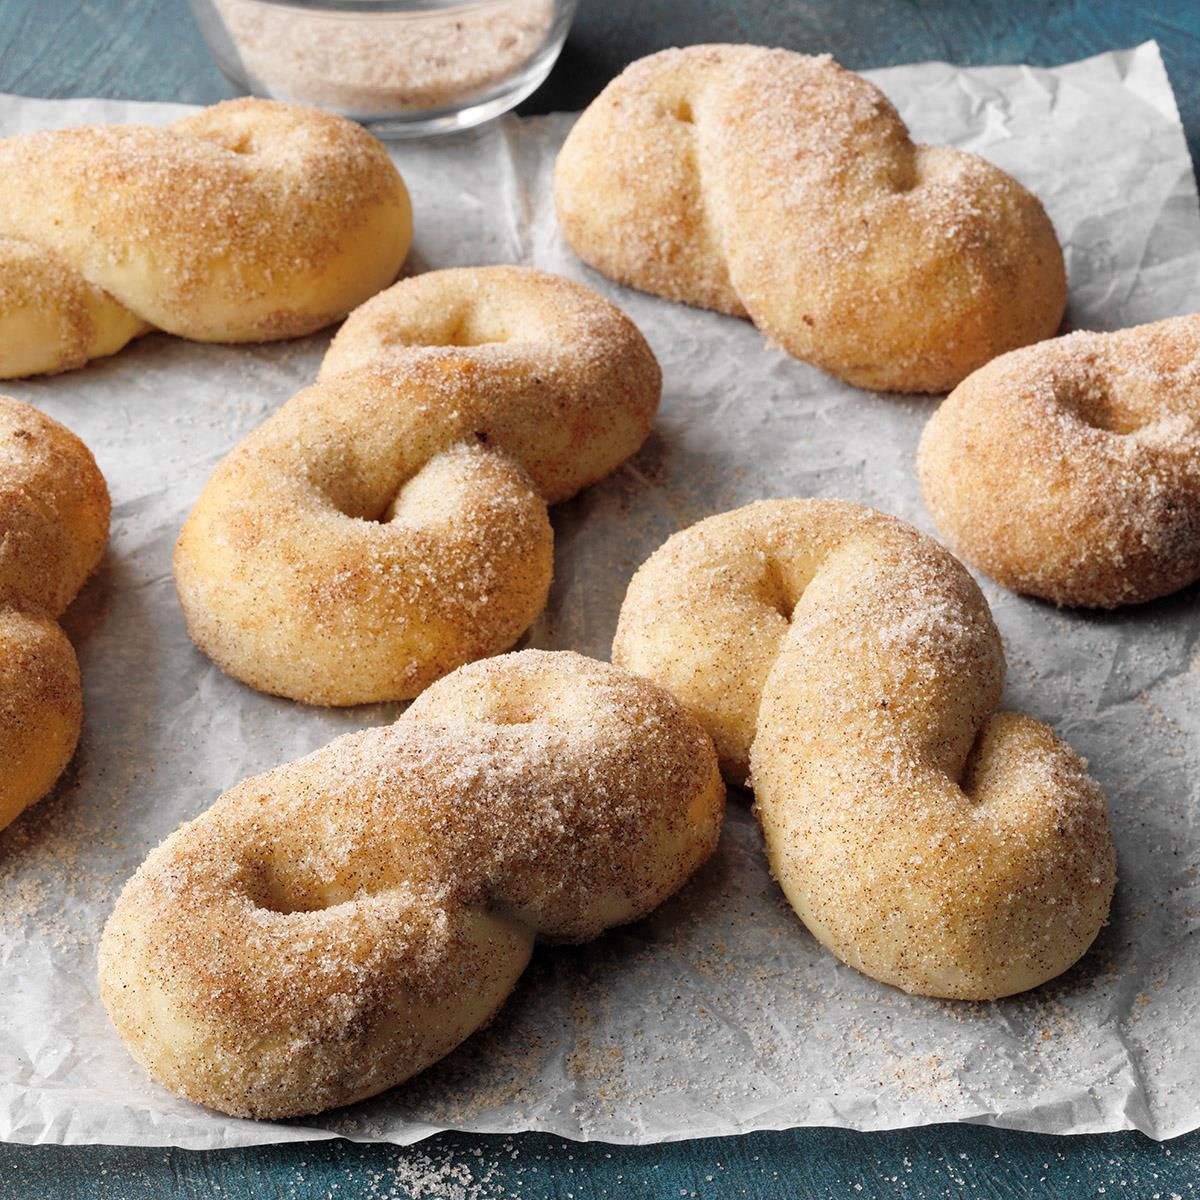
<point>1070,470</point>
<point>390,522</point>
<point>925,838</point>
<point>332,927</point>
<point>51,318</point>
<point>249,221</point>
<point>780,186</point>
<point>54,511</point>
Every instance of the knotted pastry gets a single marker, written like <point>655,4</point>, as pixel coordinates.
<point>925,838</point>
<point>773,185</point>
<point>1071,470</point>
<point>54,511</point>
<point>389,523</point>
<point>249,221</point>
<point>332,927</point>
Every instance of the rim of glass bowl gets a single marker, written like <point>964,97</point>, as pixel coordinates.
<point>411,8</point>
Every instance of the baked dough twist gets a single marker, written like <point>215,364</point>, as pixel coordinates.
<point>249,221</point>
<point>1071,470</point>
<point>54,511</point>
<point>332,927</point>
<point>773,185</point>
<point>389,523</point>
<point>926,839</point>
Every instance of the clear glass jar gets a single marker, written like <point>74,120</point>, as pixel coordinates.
<point>404,68</point>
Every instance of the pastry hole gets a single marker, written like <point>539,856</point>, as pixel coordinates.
<point>355,509</point>
<point>516,712</point>
<point>775,593</point>
<point>285,905</point>
<point>243,144</point>
<point>288,901</point>
<point>1100,409</point>
<point>470,331</point>
<point>682,112</point>
<point>286,896</point>
<point>779,603</point>
<point>968,777</point>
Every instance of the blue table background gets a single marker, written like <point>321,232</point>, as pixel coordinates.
<point>150,50</point>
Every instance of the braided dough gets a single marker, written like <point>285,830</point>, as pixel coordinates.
<point>1071,470</point>
<point>772,185</point>
<point>248,221</point>
<point>926,839</point>
<point>389,523</point>
<point>54,511</point>
<point>332,927</point>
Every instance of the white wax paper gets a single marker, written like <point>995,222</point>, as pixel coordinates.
<point>718,1014</point>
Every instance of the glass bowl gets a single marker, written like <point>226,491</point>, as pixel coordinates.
<point>404,69</point>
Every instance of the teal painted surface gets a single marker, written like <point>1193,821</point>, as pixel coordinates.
<point>149,49</point>
<point>937,1163</point>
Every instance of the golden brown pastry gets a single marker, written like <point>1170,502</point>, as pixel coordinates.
<point>852,664</point>
<point>772,185</point>
<point>1071,470</point>
<point>389,523</point>
<point>54,511</point>
<point>247,222</point>
<point>332,927</point>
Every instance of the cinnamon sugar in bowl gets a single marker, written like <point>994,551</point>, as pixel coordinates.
<point>404,68</point>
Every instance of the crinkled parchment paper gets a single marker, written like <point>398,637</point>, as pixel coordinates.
<point>719,1013</point>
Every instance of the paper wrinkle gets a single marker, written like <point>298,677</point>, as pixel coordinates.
<point>719,1013</point>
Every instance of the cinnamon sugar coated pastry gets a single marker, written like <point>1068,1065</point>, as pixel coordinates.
<point>1071,470</point>
<point>247,222</point>
<point>389,523</point>
<point>778,186</point>
<point>330,928</point>
<point>54,511</point>
<point>852,664</point>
